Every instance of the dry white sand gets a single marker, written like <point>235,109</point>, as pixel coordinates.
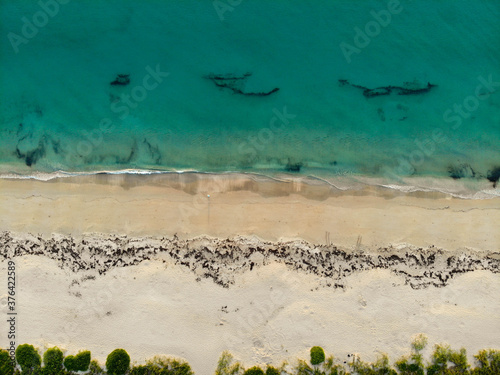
<point>270,313</point>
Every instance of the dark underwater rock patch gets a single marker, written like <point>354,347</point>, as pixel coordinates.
<point>153,151</point>
<point>293,167</point>
<point>408,88</point>
<point>121,80</point>
<point>494,176</point>
<point>461,171</point>
<point>236,84</point>
<point>32,156</point>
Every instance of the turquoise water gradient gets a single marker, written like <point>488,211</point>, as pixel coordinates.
<point>58,110</point>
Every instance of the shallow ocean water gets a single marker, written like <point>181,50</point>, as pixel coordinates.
<point>58,110</point>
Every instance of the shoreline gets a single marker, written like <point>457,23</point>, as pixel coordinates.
<point>465,188</point>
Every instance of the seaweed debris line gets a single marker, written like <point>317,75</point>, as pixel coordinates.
<point>408,88</point>
<point>221,259</point>
<point>236,84</point>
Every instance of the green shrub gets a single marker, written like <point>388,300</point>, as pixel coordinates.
<point>272,371</point>
<point>95,369</point>
<point>28,358</point>
<point>413,364</point>
<point>444,361</point>
<point>82,361</point>
<point>317,355</point>
<point>53,361</point>
<point>327,367</point>
<point>142,370</point>
<point>69,363</point>
<point>419,342</point>
<point>225,365</point>
<point>117,362</point>
<point>181,369</point>
<point>254,371</point>
<point>489,362</point>
<point>303,368</point>
<point>332,367</point>
<point>6,365</point>
<point>440,358</point>
<point>406,368</point>
<point>170,366</point>
<point>381,366</point>
<point>79,362</point>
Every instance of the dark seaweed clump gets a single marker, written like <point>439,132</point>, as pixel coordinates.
<point>408,88</point>
<point>494,176</point>
<point>236,84</point>
<point>32,156</point>
<point>461,171</point>
<point>121,80</point>
<point>293,167</point>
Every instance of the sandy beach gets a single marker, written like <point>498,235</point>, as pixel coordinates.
<point>189,266</point>
<point>190,205</point>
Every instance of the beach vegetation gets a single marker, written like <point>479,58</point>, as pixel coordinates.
<point>447,361</point>
<point>28,358</point>
<point>95,368</point>
<point>53,361</point>
<point>82,361</point>
<point>69,363</point>
<point>317,355</point>
<point>443,361</point>
<point>419,343</point>
<point>488,361</point>
<point>407,368</point>
<point>79,362</point>
<point>117,362</point>
<point>414,363</point>
<point>270,370</point>
<point>379,367</point>
<point>141,370</point>
<point>227,366</point>
<point>6,364</point>
<point>329,366</point>
<point>254,371</point>
<point>161,365</point>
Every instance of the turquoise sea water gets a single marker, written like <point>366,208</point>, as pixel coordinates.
<point>58,110</point>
